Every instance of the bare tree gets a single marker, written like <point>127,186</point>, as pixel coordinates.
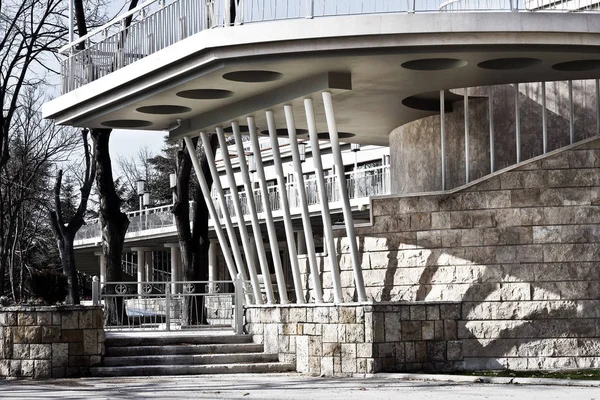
<point>30,28</point>
<point>36,145</point>
<point>114,222</point>
<point>65,231</point>
<point>193,242</point>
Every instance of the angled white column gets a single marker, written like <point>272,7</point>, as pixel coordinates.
<point>258,240</point>
<point>348,221</point>
<point>212,264</point>
<point>142,273</point>
<point>211,207</point>
<point>597,107</point>
<point>544,120</point>
<point>100,255</point>
<point>176,273</point>
<point>443,136</point>
<point>283,299</point>
<point>491,120</point>
<point>240,215</point>
<point>285,206</point>
<point>466,111</point>
<point>517,123</point>
<point>235,248</point>
<point>325,213</point>
<point>571,114</point>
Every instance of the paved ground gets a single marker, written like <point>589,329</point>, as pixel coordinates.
<point>282,386</point>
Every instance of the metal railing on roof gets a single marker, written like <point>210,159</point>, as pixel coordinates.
<point>362,183</point>
<point>157,24</point>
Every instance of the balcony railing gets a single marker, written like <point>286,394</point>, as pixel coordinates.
<point>157,24</point>
<point>362,183</point>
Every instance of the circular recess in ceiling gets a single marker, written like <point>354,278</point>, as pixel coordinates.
<point>164,109</point>
<point>284,132</point>
<point>430,101</point>
<point>127,123</point>
<point>509,63</point>
<point>253,76</point>
<point>434,64</point>
<point>341,135</point>
<point>243,129</point>
<point>205,94</point>
<point>578,65</point>
<point>419,103</point>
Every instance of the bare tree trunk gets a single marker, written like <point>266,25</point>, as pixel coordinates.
<point>114,222</point>
<point>194,243</point>
<point>65,233</point>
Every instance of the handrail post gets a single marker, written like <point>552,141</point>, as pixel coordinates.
<point>238,317</point>
<point>310,8</point>
<point>411,6</point>
<point>168,306</point>
<point>95,291</point>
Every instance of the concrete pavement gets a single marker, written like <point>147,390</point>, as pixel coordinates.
<point>284,386</point>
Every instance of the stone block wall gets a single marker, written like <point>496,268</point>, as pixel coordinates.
<point>353,339</point>
<point>43,342</point>
<point>519,251</point>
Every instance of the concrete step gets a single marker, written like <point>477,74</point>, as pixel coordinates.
<point>152,370</point>
<point>130,340</point>
<point>196,359</point>
<point>121,351</point>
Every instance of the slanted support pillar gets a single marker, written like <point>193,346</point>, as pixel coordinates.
<point>256,231</point>
<point>176,273</point>
<point>325,213</point>
<point>100,255</point>
<point>285,207</point>
<point>443,137</point>
<point>492,138</point>
<point>212,264</point>
<point>239,214</point>
<point>233,242</point>
<point>349,222</point>
<point>517,123</point>
<point>142,272</point>
<point>281,286</point>
<point>467,158</point>
<point>571,115</point>
<point>211,207</point>
<point>544,120</point>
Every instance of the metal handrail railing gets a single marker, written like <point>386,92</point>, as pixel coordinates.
<point>164,305</point>
<point>362,183</point>
<point>157,24</point>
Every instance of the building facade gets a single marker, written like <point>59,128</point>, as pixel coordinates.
<point>484,253</point>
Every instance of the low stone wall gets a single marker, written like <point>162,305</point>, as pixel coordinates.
<point>43,342</point>
<point>353,339</point>
<point>518,251</point>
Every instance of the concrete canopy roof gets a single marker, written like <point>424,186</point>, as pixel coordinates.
<point>371,50</point>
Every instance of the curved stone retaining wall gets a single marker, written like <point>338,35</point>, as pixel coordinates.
<point>518,251</point>
<point>415,148</point>
<point>48,341</point>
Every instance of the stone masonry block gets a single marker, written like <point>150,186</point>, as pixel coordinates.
<point>348,357</point>
<point>411,330</point>
<point>43,369</point>
<point>70,320</point>
<point>40,351</point>
<point>433,312</point>
<point>393,327</point>
<point>418,313</point>
<point>26,318</point>
<point>428,330</point>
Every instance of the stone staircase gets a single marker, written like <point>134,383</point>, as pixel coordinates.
<point>188,354</point>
